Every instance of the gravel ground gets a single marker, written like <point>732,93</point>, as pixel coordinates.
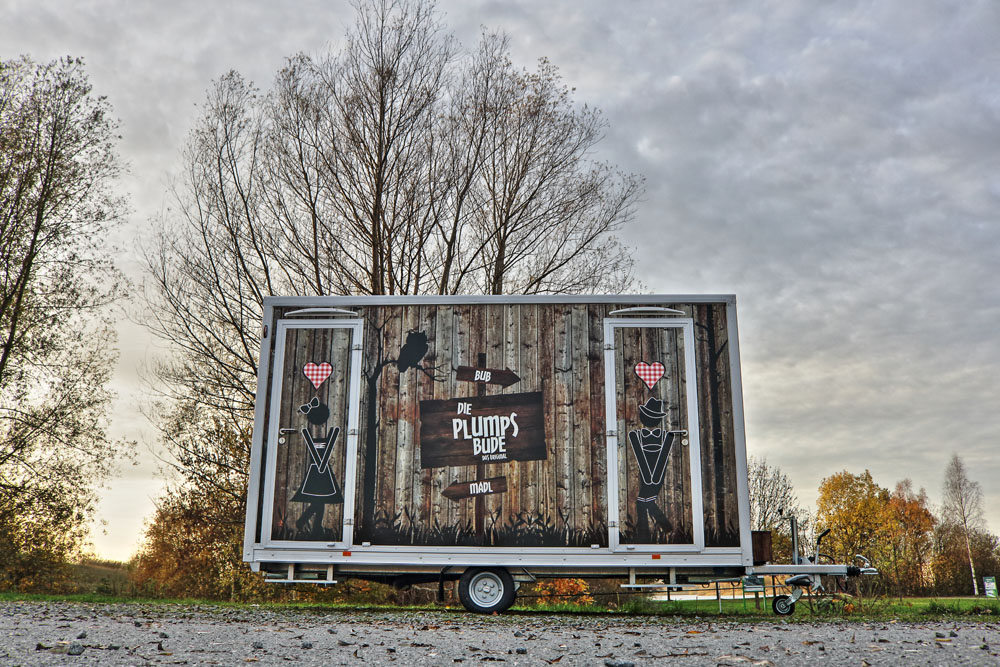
<point>50,633</point>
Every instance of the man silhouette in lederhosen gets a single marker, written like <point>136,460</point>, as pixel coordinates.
<point>651,447</point>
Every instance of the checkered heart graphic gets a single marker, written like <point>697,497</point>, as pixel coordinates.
<point>317,373</point>
<point>649,373</point>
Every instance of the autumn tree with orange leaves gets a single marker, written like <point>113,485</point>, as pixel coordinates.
<point>854,507</point>
<point>915,552</point>
<point>910,529</point>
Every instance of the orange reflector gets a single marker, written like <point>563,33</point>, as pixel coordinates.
<point>656,556</point>
<point>348,553</point>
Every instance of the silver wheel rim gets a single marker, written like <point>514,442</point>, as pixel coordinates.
<point>486,589</point>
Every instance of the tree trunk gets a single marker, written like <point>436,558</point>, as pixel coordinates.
<point>972,566</point>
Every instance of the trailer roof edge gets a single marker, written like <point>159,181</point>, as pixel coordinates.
<point>394,300</point>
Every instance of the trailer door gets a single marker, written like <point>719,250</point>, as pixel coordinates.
<point>312,433</point>
<point>654,462</point>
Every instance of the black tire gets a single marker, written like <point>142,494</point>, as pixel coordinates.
<point>485,590</point>
<point>783,605</point>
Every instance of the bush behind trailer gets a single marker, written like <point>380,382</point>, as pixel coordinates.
<point>494,439</point>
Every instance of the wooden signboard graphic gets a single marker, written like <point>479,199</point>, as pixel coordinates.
<point>482,429</point>
<point>480,487</point>
<point>504,378</point>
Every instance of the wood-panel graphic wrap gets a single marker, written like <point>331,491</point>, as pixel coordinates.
<point>654,493</point>
<point>548,497</point>
<point>413,353</point>
<point>312,423</point>
<point>718,434</point>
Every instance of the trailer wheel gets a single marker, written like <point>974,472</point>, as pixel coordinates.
<point>783,605</point>
<point>486,589</point>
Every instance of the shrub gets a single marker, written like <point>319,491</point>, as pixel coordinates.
<point>564,591</point>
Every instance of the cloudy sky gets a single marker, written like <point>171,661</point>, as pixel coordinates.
<point>835,165</point>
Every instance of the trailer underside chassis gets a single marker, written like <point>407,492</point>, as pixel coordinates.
<point>488,589</point>
<point>494,589</point>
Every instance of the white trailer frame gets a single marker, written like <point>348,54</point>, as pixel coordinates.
<point>346,556</point>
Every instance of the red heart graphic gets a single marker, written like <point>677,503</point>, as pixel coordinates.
<point>317,373</point>
<point>650,374</point>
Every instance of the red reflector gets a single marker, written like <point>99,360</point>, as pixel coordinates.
<point>656,556</point>
<point>348,553</point>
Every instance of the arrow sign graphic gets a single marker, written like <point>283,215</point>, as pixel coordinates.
<point>504,378</point>
<point>460,490</point>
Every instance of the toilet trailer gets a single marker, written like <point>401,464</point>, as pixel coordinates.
<point>493,439</point>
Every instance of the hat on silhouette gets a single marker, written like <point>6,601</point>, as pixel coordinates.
<point>652,409</point>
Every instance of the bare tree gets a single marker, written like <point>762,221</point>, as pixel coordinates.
<point>546,213</point>
<point>350,140</point>
<point>963,507</point>
<point>772,497</point>
<point>213,262</point>
<point>57,168</point>
<point>772,503</point>
<point>395,169</point>
<point>389,167</point>
<point>395,165</point>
